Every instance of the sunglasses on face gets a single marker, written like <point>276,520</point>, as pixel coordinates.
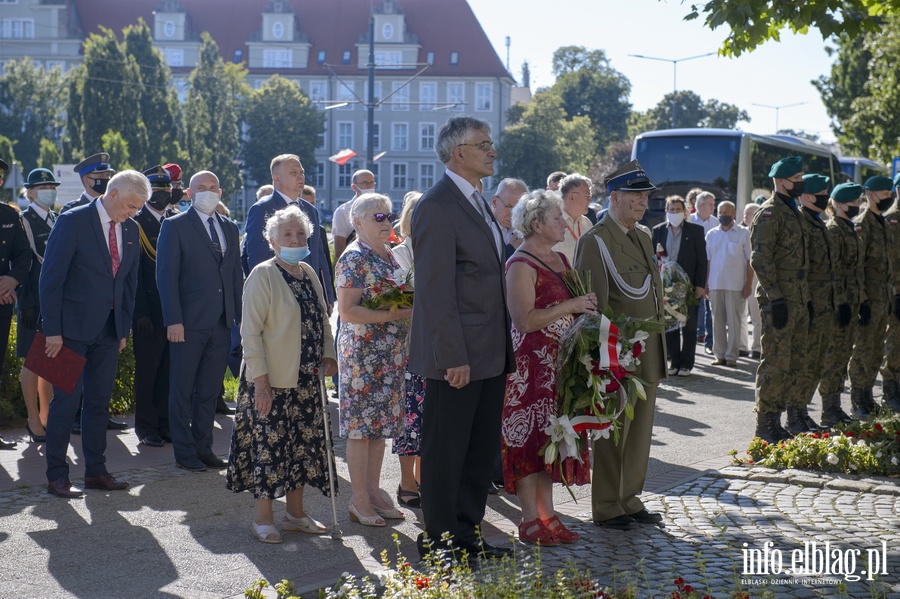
<point>381,216</point>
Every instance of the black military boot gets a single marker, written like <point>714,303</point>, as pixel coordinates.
<point>832,413</point>
<point>892,395</point>
<point>764,427</point>
<point>795,425</point>
<point>811,425</point>
<point>858,404</point>
<point>780,433</point>
<point>869,401</point>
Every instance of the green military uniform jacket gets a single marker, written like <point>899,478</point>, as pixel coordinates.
<point>892,218</point>
<point>779,256</point>
<point>876,242</point>
<point>823,265</point>
<point>849,280</point>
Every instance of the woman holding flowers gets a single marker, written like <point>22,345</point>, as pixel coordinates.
<point>371,357</point>
<point>542,310</point>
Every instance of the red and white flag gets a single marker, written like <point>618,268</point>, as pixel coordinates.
<point>342,157</point>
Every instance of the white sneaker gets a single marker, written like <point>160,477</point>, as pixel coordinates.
<point>684,372</point>
<point>673,371</point>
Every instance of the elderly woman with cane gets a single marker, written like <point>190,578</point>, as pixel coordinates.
<point>279,441</point>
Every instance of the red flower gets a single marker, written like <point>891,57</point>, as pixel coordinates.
<point>878,427</point>
<point>422,582</point>
<point>688,588</point>
<point>596,370</point>
<point>638,349</point>
<point>825,435</point>
<point>612,385</point>
<point>849,434</point>
<point>679,582</point>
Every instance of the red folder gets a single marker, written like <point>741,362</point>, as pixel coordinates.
<point>62,371</point>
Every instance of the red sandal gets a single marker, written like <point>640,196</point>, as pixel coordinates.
<point>536,532</point>
<point>559,530</point>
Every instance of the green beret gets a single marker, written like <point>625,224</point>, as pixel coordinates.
<point>816,184</point>
<point>786,167</point>
<point>878,183</point>
<point>761,198</point>
<point>846,192</point>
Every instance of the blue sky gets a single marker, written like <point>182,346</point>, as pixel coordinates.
<point>776,74</point>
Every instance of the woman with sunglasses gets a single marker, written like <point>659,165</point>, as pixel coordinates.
<point>371,358</point>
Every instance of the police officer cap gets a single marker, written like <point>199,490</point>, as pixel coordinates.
<point>158,177</point>
<point>878,183</point>
<point>41,176</point>
<point>174,171</point>
<point>846,192</point>
<point>630,177</point>
<point>3,166</point>
<point>815,183</point>
<point>786,167</point>
<point>98,163</point>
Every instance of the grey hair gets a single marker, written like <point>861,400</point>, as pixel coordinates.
<point>570,182</point>
<point>265,190</point>
<point>284,216</point>
<point>129,181</point>
<point>533,208</point>
<point>409,203</point>
<point>510,182</point>
<point>369,201</point>
<point>727,203</point>
<point>454,132</point>
<point>702,197</point>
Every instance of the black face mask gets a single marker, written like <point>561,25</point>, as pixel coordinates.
<point>99,186</point>
<point>852,211</point>
<point>726,220</point>
<point>798,189</point>
<point>160,200</point>
<point>177,194</point>
<point>821,202</point>
<point>885,204</point>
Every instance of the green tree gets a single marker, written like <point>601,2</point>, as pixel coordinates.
<point>211,119</point>
<point>754,22</point>
<point>160,110</point>
<point>115,145</point>
<point>9,156</point>
<point>279,120</point>
<point>686,109</point>
<point>544,140</point>
<point>842,86</point>
<point>31,105</point>
<point>49,154</point>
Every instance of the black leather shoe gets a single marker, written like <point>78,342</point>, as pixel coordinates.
<point>116,425</point>
<point>165,437</point>
<point>222,408</point>
<point>191,465</point>
<point>646,517</point>
<point>484,550</point>
<point>61,487</point>
<point>754,355</point>
<point>619,522</point>
<point>76,428</point>
<point>7,444</point>
<point>743,353</point>
<point>213,461</point>
<point>104,482</point>
<point>152,441</point>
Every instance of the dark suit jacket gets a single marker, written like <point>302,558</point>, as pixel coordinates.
<point>256,248</point>
<point>147,302</point>
<point>83,200</point>
<point>692,253</point>
<point>459,316</point>
<point>77,286</point>
<point>197,284</point>
<point>29,292</point>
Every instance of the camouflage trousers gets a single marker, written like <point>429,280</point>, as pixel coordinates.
<point>817,342</point>
<point>783,356</point>
<point>839,343</point>
<point>868,348</point>
<point>890,368</point>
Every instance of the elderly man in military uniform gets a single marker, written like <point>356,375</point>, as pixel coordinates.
<point>825,297</point>
<point>779,258</point>
<point>890,368</point>
<point>15,262</point>
<point>868,348</point>
<point>625,277</point>
<point>95,173</point>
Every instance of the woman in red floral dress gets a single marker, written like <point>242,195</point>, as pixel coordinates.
<point>542,310</point>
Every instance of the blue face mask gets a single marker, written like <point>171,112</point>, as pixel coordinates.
<point>293,255</point>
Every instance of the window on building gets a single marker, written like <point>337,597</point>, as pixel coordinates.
<point>429,57</point>
<point>318,91</point>
<point>376,130</point>
<point>377,94</point>
<point>345,135</point>
<point>427,96</point>
<point>320,57</point>
<point>277,58</point>
<point>345,174</point>
<point>319,177</point>
<point>426,175</point>
<point>277,29</point>
<point>484,96</point>
<point>169,29</point>
<point>400,137</point>
<point>388,59</point>
<point>345,58</point>
<point>17,29</point>
<point>454,58</point>
<point>456,94</point>
<point>398,176</point>
<point>174,57</point>
<point>426,136</point>
<point>322,135</point>
<point>400,99</point>
<point>9,1</point>
<point>345,94</point>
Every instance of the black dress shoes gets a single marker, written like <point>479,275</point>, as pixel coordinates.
<point>76,428</point>
<point>619,522</point>
<point>104,482</point>
<point>166,437</point>
<point>61,487</point>
<point>484,550</point>
<point>222,408</point>
<point>646,517</point>
<point>191,465</point>
<point>152,441</point>
<point>754,355</point>
<point>213,461</point>
<point>116,425</point>
<point>7,444</point>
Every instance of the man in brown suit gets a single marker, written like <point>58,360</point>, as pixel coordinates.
<point>625,277</point>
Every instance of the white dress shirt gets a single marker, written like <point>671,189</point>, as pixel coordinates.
<point>729,258</point>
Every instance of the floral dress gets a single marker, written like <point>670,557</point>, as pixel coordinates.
<point>531,390</point>
<point>371,357</point>
<point>285,450</point>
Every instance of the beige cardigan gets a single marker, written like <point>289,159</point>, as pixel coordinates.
<point>270,329</point>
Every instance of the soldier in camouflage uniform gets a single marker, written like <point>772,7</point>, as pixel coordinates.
<point>780,261</point>
<point>890,368</point>
<point>868,347</point>
<point>849,283</point>
<point>824,298</point>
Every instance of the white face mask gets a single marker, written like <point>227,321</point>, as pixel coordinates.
<point>46,198</point>
<point>206,201</point>
<point>675,219</point>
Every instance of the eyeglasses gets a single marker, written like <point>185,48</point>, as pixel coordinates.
<point>380,217</point>
<point>485,146</point>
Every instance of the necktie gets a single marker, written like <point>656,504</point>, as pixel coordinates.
<point>483,209</point>
<point>215,236</point>
<point>113,247</point>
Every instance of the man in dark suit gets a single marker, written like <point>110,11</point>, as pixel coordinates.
<point>683,242</point>
<point>460,337</point>
<point>88,284</point>
<point>503,201</point>
<point>288,178</point>
<point>95,173</point>
<point>151,348</point>
<point>199,275</point>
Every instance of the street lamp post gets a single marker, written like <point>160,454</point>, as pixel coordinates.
<point>674,62</point>
<point>777,109</point>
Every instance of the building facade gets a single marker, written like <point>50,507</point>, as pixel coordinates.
<point>432,57</point>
